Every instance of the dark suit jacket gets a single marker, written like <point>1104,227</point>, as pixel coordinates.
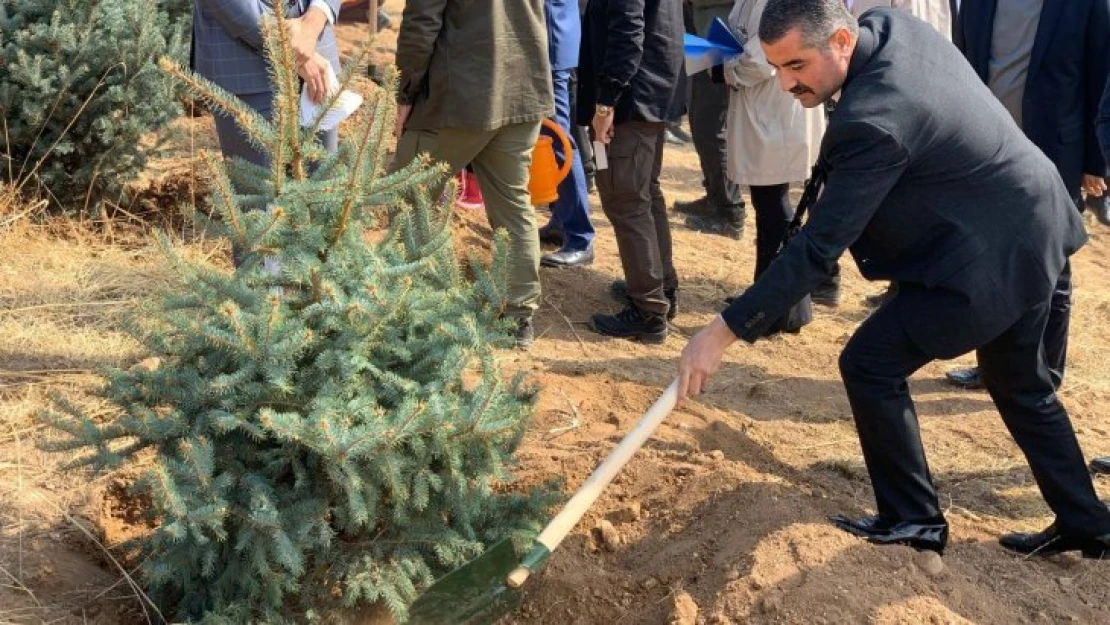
<point>1067,71</point>
<point>631,58</point>
<point>932,185</point>
<point>1103,122</point>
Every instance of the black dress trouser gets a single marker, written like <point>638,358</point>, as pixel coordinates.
<point>874,367</point>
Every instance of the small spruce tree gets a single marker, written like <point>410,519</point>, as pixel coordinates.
<point>327,423</point>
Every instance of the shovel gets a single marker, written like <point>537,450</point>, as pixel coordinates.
<point>488,587</point>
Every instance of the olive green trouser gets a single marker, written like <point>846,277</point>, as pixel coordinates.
<point>501,159</point>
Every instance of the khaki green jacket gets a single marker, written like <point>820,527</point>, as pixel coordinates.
<point>479,64</point>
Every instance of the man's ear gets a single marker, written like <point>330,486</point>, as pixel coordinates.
<point>841,40</point>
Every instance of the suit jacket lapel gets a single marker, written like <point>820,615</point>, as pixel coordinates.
<point>1046,28</point>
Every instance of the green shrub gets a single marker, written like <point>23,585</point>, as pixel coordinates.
<point>79,93</point>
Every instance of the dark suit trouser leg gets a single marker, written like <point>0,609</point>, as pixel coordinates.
<point>773,212</point>
<point>1020,382</point>
<point>633,202</point>
<point>1056,330</point>
<point>874,366</point>
<point>708,111</point>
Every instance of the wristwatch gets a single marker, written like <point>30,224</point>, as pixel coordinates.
<point>603,110</point>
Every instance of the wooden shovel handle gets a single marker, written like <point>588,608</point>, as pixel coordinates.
<point>572,512</point>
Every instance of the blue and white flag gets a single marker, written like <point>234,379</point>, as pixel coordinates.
<point>719,47</point>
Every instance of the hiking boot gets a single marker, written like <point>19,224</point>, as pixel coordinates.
<point>524,334</point>
<point>632,323</point>
<point>679,132</point>
<point>618,290</point>
<point>700,206</point>
<point>715,225</point>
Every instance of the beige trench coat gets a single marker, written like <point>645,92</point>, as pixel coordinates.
<point>936,12</point>
<point>771,138</point>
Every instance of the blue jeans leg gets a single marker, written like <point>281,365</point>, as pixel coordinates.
<point>571,212</point>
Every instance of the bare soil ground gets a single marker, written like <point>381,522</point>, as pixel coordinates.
<point>719,519</point>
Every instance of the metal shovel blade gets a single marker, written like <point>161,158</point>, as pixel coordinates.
<point>473,594</point>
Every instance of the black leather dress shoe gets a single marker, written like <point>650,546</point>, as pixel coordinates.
<point>930,535</point>
<point>1101,465</point>
<point>568,258</point>
<point>968,378</point>
<point>551,235</point>
<point>1050,542</point>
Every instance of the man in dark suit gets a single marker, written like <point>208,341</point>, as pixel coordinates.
<point>929,183</point>
<point>570,213</point>
<point>1047,62</point>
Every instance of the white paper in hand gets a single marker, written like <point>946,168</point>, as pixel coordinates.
<point>345,105</point>
<point>601,157</point>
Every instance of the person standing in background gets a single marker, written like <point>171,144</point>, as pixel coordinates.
<point>1102,128</point>
<point>475,86</point>
<point>228,50</point>
<point>721,209</point>
<point>772,141</point>
<point>1047,63</point>
<point>631,56</point>
<point>570,214</point>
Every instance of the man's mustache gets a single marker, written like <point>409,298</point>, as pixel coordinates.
<point>801,89</point>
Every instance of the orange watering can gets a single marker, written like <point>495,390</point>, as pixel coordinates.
<point>546,174</point>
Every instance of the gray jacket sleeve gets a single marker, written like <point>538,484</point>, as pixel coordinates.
<point>242,19</point>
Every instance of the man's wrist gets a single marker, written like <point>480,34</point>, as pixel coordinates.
<point>722,332</point>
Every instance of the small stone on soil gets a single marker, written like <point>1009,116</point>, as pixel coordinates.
<point>685,610</point>
<point>610,538</point>
<point>771,603</point>
<point>930,562</point>
<point>628,514</point>
<point>717,454</point>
